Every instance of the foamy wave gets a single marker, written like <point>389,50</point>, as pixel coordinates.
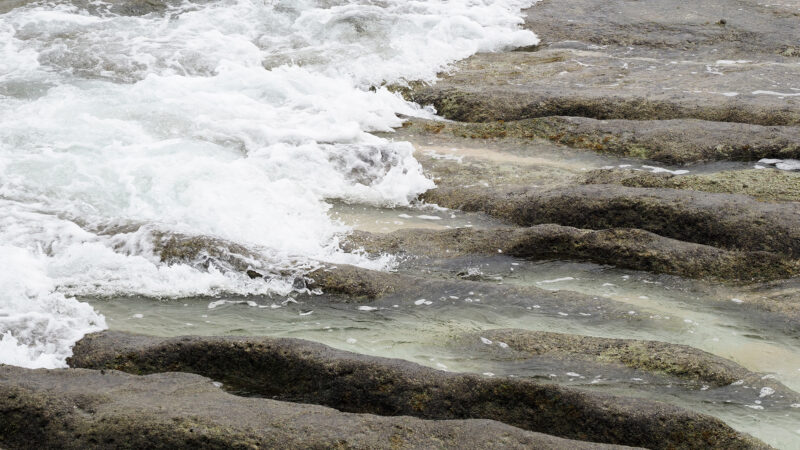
<point>37,325</point>
<point>235,120</point>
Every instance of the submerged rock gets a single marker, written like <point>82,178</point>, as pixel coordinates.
<point>355,285</point>
<point>777,300</point>
<point>301,371</point>
<point>679,361</point>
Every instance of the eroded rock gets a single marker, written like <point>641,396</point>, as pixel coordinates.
<point>678,141</point>
<point>766,185</point>
<point>625,248</point>
<point>306,372</point>
<point>522,85</point>
<point>79,409</point>
<point>722,220</point>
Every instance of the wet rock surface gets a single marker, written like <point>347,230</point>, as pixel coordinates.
<point>725,28</point>
<point>724,220</point>
<point>639,61</point>
<point>312,373</point>
<point>769,185</point>
<point>622,247</point>
<point>676,141</point>
<point>77,408</point>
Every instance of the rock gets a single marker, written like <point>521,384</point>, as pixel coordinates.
<point>355,283</point>
<point>778,300</point>
<point>201,251</point>
<point>723,220</point>
<point>622,247</point>
<point>766,185</point>
<point>140,7</point>
<point>306,372</point>
<point>350,284</point>
<point>520,85</point>
<point>643,60</point>
<point>79,409</point>
<point>679,141</point>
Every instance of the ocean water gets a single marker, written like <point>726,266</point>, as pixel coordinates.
<point>237,120</point>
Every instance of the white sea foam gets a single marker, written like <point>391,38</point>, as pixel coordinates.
<point>782,164</point>
<point>777,94</point>
<point>234,119</point>
<point>655,169</point>
<point>37,325</point>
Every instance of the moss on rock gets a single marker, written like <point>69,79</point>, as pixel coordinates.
<point>767,185</point>
<point>729,221</point>
<point>306,372</point>
<point>680,141</point>
<point>95,409</point>
<point>626,248</point>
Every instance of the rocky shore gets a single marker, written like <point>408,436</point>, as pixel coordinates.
<point>709,88</point>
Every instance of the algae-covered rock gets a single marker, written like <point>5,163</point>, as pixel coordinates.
<point>679,141</point>
<point>723,220</point>
<point>82,409</point>
<point>562,82</point>
<point>622,247</point>
<point>767,185</point>
<point>306,372</point>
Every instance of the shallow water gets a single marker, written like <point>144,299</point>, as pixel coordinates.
<point>700,314</point>
<point>426,333</point>
<point>386,220</point>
